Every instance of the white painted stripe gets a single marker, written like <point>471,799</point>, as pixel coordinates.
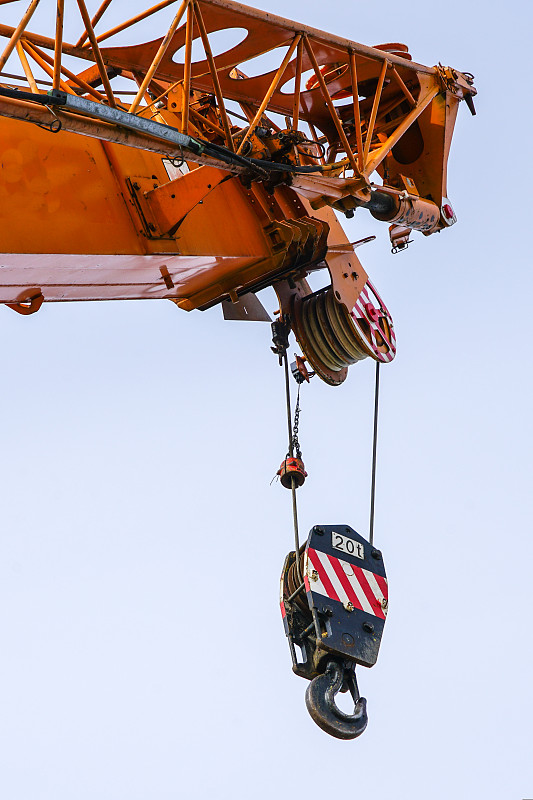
<point>318,587</point>
<point>361,596</point>
<point>374,585</point>
<point>332,575</point>
<point>315,586</point>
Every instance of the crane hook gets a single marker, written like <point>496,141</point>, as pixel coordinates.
<point>320,701</point>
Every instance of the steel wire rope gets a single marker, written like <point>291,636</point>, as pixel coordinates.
<point>374,456</point>
<point>291,454</point>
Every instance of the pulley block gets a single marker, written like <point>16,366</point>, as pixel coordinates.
<point>334,604</point>
<point>332,338</point>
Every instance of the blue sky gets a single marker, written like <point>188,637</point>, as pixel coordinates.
<point>143,654</point>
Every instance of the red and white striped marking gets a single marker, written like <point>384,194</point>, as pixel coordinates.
<point>347,583</point>
<point>366,309</point>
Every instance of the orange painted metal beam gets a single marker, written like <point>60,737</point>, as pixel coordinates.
<point>271,89</point>
<point>46,67</point>
<point>331,107</point>
<point>58,42</point>
<point>138,18</point>
<point>71,75</point>
<point>187,70</point>
<point>158,56</point>
<point>356,111</point>
<point>374,112</point>
<point>96,52</point>
<point>94,21</point>
<point>17,32</point>
<point>214,75</point>
<point>27,69</point>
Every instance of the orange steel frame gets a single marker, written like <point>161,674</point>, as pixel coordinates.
<point>98,211</point>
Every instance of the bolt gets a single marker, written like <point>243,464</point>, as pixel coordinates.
<point>349,606</point>
<point>319,530</point>
<point>314,575</point>
<point>348,530</point>
<point>376,554</point>
<point>327,611</point>
<point>368,627</point>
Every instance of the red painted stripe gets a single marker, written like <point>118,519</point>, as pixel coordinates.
<point>346,585</point>
<point>383,585</point>
<point>367,589</point>
<point>323,575</point>
<point>282,606</point>
<point>306,583</point>
<point>373,328</point>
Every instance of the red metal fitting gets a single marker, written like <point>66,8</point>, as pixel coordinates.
<point>447,211</point>
<point>292,472</point>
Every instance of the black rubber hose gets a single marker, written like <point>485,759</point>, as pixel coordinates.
<point>223,153</point>
<point>43,99</point>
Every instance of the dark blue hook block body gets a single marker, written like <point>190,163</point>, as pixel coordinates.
<point>340,607</point>
<point>347,592</point>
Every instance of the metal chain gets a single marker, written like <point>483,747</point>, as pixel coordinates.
<point>295,443</point>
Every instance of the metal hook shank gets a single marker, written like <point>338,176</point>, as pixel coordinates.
<point>320,701</point>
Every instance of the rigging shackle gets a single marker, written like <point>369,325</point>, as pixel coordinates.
<point>320,701</point>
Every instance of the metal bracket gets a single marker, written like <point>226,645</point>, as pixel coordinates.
<point>29,302</point>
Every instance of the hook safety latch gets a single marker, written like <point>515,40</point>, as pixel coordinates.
<point>320,701</point>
